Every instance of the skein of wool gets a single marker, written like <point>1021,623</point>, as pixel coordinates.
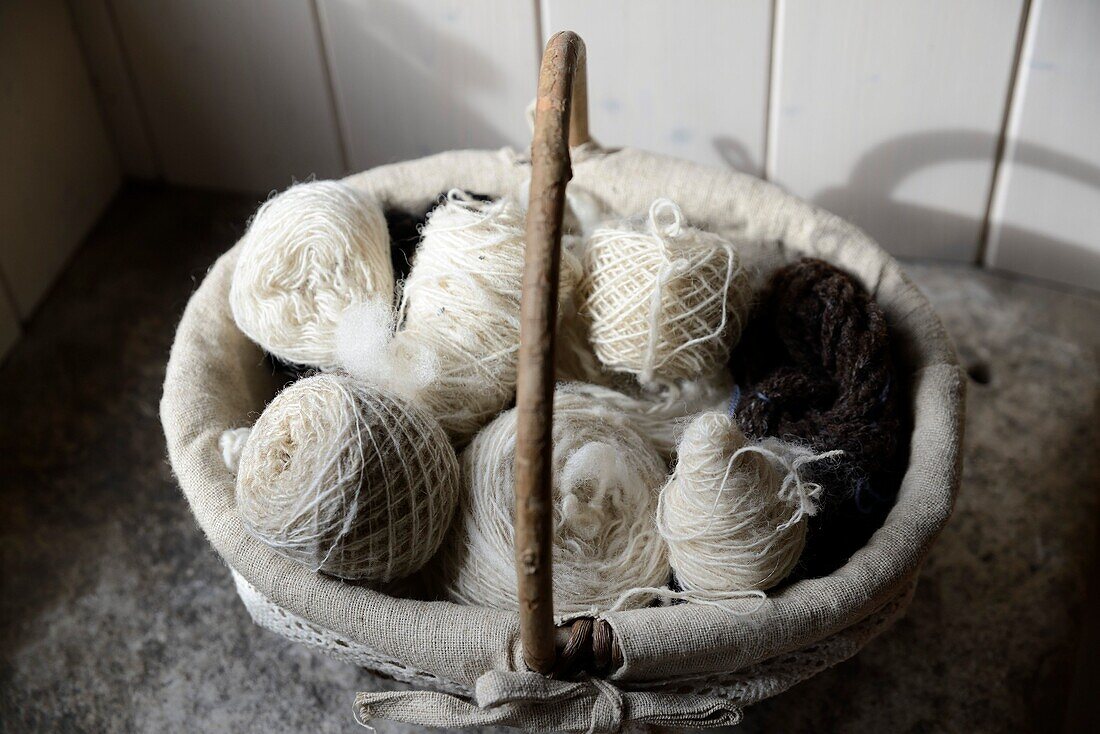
<point>605,492</point>
<point>456,350</point>
<point>815,366</point>
<point>661,415</point>
<point>348,480</point>
<point>404,227</point>
<point>734,513</point>
<point>309,253</point>
<point>665,301</point>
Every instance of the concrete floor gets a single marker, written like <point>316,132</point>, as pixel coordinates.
<point>117,615</point>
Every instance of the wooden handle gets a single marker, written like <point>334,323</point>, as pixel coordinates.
<point>561,118</point>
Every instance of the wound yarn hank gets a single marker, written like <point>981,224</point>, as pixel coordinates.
<point>661,414</point>
<point>456,347</point>
<point>605,478</point>
<point>734,512</point>
<point>309,253</point>
<point>815,366</point>
<point>665,301</point>
<point>348,479</point>
<point>404,226</point>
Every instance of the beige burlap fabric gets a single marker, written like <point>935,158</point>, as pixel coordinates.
<point>685,665</point>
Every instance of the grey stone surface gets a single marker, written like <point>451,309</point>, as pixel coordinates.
<point>117,615</point>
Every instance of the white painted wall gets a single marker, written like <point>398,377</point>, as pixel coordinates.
<point>1046,212</point>
<point>109,68</point>
<point>415,77</point>
<point>891,114</point>
<point>687,78</point>
<point>59,169</point>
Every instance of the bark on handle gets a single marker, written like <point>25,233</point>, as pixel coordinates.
<point>561,119</point>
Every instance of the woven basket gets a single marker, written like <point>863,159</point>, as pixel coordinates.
<point>684,665</point>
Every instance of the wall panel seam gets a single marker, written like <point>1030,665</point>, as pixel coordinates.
<point>100,103</point>
<point>135,90</point>
<point>771,107</point>
<point>541,29</point>
<point>1006,142</point>
<point>335,108</point>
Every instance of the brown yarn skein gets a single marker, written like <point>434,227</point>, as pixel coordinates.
<point>815,366</point>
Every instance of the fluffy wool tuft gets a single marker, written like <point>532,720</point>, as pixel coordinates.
<point>232,443</point>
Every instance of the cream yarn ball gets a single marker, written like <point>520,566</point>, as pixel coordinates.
<point>734,512</point>
<point>665,301</point>
<point>309,253</point>
<point>605,543</point>
<point>456,347</point>
<point>348,480</point>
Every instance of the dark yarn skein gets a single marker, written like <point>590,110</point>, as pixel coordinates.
<point>815,366</point>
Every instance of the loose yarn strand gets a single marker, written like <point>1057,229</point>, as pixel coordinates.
<point>723,600</point>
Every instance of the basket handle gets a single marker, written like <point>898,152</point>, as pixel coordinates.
<point>561,119</point>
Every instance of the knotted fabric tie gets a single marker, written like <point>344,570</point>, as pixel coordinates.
<point>537,703</point>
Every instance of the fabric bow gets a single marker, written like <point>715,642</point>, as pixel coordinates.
<point>537,703</point>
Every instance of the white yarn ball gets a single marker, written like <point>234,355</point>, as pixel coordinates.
<point>734,512</point>
<point>458,346</point>
<point>309,253</point>
<point>604,499</point>
<point>348,480</point>
<point>665,301</point>
<point>661,415</point>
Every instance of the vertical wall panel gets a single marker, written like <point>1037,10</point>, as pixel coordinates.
<point>1046,210</point>
<point>686,78</point>
<point>890,114</point>
<point>58,165</point>
<point>415,77</point>
<point>114,85</point>
<point>235,91</point>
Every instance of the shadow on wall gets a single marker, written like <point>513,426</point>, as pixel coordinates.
<point>736,155</point>
<point>906,227</point>
<point>421,89</point>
